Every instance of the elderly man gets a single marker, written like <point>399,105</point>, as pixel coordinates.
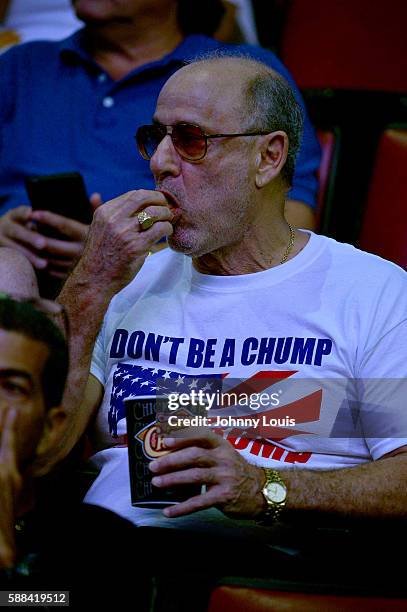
<point>242,294</point>
<point>88,94</point>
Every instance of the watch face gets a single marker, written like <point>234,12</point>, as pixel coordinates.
<point>275,492</point>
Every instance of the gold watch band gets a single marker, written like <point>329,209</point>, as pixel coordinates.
<point>275,500</point>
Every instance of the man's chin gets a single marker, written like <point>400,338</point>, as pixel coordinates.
<point>181,246</point>
<point>177,246</point>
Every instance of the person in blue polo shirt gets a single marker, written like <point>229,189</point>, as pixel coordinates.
<point>75,105</point>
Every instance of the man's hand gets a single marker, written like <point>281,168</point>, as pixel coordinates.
<point>200,456</point>
<point>10,486</point>
<point>57,255</point>
<point>15,233</point>
<point>116,247</point>
<point>115,250</point>
<point>62,255</point>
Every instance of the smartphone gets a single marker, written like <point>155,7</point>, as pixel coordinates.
<point>64,194</point>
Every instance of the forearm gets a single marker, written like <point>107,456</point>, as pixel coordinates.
<point>372,490</point>
<point>85,306</point>
<point>376,489</point>
<point>114,252</point>
<point>85,309</point>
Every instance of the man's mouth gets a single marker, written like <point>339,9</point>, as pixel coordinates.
<point>172,204</point>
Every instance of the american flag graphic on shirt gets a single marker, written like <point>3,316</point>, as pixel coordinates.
<point>131,381</point>
<point>134,380</point>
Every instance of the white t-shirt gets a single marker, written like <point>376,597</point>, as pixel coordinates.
<point>326,331</point>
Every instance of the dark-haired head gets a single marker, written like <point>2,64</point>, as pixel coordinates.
<point>24,318</point>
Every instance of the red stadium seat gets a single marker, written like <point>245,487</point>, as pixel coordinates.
<point>347,44</point>
<point>327,566</point>
<point>384,227</point>
<point>244,599</point>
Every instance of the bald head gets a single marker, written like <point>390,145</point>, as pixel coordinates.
<point>17,276</point>
<point>260,97</point>
<point>237,67</point>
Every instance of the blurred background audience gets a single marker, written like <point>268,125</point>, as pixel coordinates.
<point>238,24</point>
<point>25,20</point>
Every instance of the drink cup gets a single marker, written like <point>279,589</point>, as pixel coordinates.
<point>145,443</point>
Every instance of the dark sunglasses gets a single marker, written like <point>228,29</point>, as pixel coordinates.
<point>189,140</point>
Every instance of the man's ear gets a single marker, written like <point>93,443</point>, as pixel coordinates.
<point>54,425</point>
<point>271,157</point>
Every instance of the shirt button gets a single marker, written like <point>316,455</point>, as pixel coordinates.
<point>102,77</point>
<point>108,102</point>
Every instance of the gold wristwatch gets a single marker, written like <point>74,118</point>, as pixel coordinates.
<point>275,493</point>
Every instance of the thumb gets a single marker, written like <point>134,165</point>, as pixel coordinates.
<point>95,200</point>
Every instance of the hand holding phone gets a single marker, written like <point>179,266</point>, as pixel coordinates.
<point>16,234</point>
<point>62,213</point>
<point>62,194</point>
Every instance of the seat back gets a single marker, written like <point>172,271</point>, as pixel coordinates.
<point>384,225</point>
<point>245,599</point>
<point>343,44</point>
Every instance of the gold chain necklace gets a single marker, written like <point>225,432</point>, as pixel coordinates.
<point>290,244</point>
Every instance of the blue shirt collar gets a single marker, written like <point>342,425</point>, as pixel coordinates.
<point>74,48</point>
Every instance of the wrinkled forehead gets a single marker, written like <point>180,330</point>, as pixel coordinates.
<point>201,93</point>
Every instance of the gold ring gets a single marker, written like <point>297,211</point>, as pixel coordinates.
<point>145,220</point>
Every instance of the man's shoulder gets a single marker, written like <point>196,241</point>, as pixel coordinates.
<point>36,49</point>
<point>41,52</point>
<point>365,268</point>
<point>30,69</point>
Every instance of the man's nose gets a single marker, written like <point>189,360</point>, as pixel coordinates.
<point>165,161</point>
